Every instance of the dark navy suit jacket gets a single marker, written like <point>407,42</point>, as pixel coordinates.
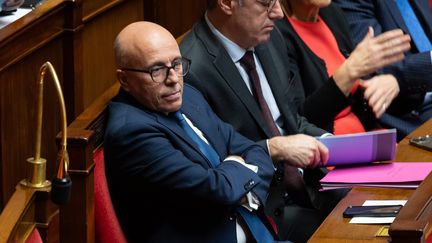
<point>414,72</point>
<point>163,188</point>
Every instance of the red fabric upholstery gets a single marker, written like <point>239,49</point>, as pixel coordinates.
<point>34,237</point>
<point>107,226</point>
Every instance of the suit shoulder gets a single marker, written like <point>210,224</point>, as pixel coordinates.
<point>191,92</point>
<point>124,117</point>
<point>188,42</point>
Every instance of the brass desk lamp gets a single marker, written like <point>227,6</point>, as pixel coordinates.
<point>61,185</point>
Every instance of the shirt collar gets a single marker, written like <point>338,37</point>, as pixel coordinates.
<point>234,51</point>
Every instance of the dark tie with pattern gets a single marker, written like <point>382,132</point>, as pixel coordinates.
<point>292,179</point>
<point>256,226</point>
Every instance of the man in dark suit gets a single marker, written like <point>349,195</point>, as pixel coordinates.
<point>176,172</point>
<point>217,45</point>
<point>414,73</point>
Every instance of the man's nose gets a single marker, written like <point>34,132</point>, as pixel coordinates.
<point>172,76</point>
<point>276,12</point>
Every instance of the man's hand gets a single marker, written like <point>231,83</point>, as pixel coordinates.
<point>299,150</point>
<point>235,157</point>
<point>380,92</point>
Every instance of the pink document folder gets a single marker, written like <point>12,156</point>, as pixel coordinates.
<point>404,175</point>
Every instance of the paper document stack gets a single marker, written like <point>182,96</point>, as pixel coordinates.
<point>396,175</point>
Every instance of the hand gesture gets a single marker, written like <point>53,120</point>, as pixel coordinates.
<point>380,91</point>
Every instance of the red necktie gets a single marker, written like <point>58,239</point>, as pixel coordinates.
<point>293,181</point>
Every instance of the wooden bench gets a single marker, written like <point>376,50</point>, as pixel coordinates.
<point>413,223</point>
<point>19,220</point>
<point>85,136</point>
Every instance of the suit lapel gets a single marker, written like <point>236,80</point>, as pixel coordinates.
<point>424,16</point>
<point>172,125</point>
<point>227,69</point>
<point>395,13</point>
<point>421,13</point>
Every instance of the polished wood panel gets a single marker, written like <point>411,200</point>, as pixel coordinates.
<point>407,152</point>
<point>41,31</point>
<point>177,16</point>
<point>335,228</point>
<point>20,217</point>
<point>413,223</point>
<point>98,41</point>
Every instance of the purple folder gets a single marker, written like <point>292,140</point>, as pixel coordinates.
<point>361,147</point>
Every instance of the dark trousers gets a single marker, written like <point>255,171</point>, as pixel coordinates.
<point>295,222</point>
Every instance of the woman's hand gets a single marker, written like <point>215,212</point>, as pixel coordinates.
<point>371,54</point>
<point>380,91</point>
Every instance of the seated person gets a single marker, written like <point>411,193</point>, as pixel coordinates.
<point>330,94</point>
<point>176,172</point>
<point>414,72</point>
<point>241,67</point>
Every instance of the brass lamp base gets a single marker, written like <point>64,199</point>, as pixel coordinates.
<point>44,184</point>
<point>37,172</point>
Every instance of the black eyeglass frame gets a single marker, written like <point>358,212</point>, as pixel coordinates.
<point>268,3</point>
<point>183,60</point>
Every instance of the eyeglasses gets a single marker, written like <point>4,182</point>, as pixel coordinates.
<point>159,74</point>
<point>268,3</point>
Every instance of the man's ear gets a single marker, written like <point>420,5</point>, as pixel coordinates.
<point>226,6</point>
<point>121,76</point>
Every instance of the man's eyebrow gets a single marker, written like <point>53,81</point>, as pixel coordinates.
<point>162,64</point>
<point>157,64</point>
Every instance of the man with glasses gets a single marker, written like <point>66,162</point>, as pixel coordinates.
<point>175,171</point>
<point>242,68</point>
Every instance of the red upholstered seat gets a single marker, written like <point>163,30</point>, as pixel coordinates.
<point>107,226</point>
<point>34,237</point>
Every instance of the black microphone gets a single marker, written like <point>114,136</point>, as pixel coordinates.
<point>61,190</point>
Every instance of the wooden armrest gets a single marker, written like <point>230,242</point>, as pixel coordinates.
<point>18,218</point>
<point>413,223</point>
<point>85,135</point>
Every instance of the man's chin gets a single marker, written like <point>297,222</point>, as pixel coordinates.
<point>172,107</point>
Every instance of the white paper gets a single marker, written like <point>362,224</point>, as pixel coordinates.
<point>377,220</point>
<point>5,20</point>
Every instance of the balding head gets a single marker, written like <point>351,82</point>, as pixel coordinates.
<point>140,48</point>
<point>138,39</point>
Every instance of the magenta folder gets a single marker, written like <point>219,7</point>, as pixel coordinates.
<point>361,147</point>
<point>397,174</point>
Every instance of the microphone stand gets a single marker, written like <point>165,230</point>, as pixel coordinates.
<point>60,193</point>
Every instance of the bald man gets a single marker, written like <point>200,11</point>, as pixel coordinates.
<point>176,172</point>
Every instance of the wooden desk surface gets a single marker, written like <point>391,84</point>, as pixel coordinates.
<point>337,229</point>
